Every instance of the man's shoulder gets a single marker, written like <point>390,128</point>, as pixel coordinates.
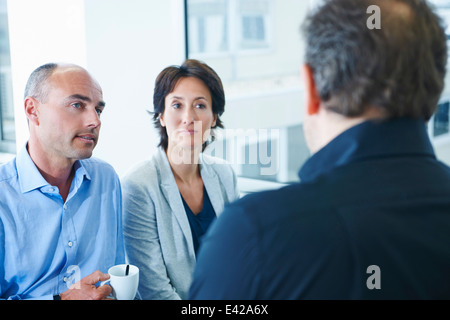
<point>8,170</point>
<point>280,197</point>
<point>274,205</point>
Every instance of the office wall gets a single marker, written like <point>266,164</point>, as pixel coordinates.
<point>124,44</point>
<point>128,43</point>
<point>40,32</point>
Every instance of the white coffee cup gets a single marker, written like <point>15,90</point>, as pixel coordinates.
<point>124,286</point>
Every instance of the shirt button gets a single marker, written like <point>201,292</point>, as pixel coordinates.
<point>65,279</point>
<point>70,243</point>
<point>65,207</point>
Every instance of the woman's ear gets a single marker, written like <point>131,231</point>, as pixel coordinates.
<point>161,120</point>
<point>312,96</point>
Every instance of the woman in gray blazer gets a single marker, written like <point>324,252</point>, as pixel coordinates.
<point>170,200</point>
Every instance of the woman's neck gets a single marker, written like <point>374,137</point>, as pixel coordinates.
<point>184,163</point>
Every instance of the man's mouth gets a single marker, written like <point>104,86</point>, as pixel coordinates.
<point>87,138</point>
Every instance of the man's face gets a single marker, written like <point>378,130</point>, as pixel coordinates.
<point>69,120</point>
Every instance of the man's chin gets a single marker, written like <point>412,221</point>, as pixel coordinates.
<point>83,154</point>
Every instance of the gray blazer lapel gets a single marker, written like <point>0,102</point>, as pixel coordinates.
<point>172,195</point>
<point>212,186</point>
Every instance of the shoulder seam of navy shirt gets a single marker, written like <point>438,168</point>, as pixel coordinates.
<point>360,142</point>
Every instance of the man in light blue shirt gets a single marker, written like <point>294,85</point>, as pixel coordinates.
<point>60,212</point>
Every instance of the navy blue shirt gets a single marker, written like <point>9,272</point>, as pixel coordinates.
<point>201,221</point>
<point>370,219</point>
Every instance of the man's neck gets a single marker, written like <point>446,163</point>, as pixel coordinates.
<point>334,124</point>
<point>57,172</point>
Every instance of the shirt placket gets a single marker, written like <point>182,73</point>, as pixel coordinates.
<point>71,272</point>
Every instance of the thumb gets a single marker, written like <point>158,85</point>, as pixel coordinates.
<point>96,276</point>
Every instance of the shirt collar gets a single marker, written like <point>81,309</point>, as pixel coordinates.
<point>81,172</point>
<point>368,140</point>
<point>30,178</point>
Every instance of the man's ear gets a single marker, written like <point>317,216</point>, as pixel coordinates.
<point>32,110</point>
<point>312,96</point>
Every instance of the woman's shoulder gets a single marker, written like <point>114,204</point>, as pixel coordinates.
<point>216,164</point>
<point>221,168</point>
<point>143,172</point>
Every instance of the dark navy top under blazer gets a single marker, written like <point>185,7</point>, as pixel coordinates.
<point>201,221</point>
<point>374,197</point>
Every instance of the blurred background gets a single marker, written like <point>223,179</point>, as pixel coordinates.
<point>255,46</point>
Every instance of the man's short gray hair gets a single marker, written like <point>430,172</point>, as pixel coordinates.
<point>37,82</point>
<point>399,68</point>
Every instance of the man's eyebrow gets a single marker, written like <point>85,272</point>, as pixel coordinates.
<point>77,96</point>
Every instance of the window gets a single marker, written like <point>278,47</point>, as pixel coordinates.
<point>438,126</point>
<point>256,48</point>
<point>255,23</point>
<point>440,120</point>
<point>228,26</point>
<point>7,127</point>
<point>443,10</point>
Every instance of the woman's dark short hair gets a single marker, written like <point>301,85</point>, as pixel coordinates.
<point>166,82</point>
<point>399,68</point>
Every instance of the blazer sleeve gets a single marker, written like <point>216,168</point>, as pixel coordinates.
<point>142,243</point>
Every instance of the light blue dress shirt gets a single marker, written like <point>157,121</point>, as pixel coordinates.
<point>46,245</point>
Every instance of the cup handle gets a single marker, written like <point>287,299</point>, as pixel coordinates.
<point>104,282</point>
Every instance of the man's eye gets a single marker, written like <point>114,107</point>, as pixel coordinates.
<point>76,105</point>
<point>99,111</point>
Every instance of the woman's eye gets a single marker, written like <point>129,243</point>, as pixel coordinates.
<point>176,106</point>
<point>200,106</point>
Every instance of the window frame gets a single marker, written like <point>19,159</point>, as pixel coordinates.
<point>6,145</point>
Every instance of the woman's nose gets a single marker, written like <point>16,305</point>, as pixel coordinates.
<point>188,116</point>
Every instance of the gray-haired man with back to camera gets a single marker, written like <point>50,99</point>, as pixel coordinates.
<point>60,209</point>
<point>370,218</point>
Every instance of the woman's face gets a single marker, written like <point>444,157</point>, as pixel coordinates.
<point>188,115</point>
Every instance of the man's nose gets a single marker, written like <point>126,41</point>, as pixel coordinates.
<point>93,118</point>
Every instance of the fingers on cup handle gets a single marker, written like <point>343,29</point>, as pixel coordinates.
<point>104,282</point>
<point>95,277</point>
<point>105,290</point>
<point>102,276</point>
